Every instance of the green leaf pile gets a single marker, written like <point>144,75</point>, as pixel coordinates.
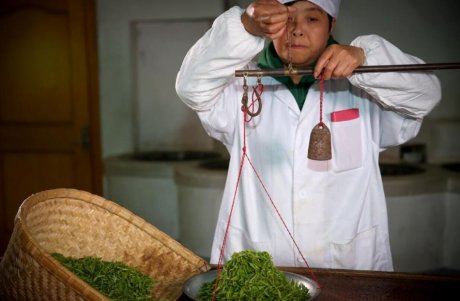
<point>116,280</point>
<point>251,275</point>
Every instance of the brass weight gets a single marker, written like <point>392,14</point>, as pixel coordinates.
<point>320,148</point>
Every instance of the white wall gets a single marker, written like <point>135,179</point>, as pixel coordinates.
<point>161,120</point>
<point>115,19</point>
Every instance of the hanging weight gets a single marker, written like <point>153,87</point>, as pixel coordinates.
<point>320,148</point>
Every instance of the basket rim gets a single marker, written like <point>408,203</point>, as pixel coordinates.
<point>52,266</point>
<point>65,275</point>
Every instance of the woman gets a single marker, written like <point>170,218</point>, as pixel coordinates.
<point>337,217</point>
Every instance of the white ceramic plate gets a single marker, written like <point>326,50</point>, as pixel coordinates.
<point>193,285</point>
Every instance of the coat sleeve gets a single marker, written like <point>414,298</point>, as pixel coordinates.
<point>412,94</point>
<point>210,64</point>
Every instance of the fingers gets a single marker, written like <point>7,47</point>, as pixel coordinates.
<point>322,62</point>
<point>269,17</point>
<point>338,61</point>
<point>272,26</point>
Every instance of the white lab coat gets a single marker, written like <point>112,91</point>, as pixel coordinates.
<point>338,218</point>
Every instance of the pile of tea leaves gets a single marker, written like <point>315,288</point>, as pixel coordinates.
<point>251,275</point>
<point>116,280</point>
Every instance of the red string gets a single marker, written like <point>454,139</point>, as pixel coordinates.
<point>321,91</point>
<point>282,220</point>
<point>256,97</point>
<point>224,242</point>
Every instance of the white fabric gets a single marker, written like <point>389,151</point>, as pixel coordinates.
<point>338,218</point>
<point>329,6</point>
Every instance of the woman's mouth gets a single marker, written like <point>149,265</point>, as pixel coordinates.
<point>296,46</point>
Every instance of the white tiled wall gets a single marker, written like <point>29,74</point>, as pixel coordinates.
<point>162,120</point>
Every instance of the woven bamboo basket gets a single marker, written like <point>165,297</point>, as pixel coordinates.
<point>76,223</point>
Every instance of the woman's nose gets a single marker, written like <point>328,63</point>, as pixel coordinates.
<point>295,28</point>
<point>297,33</point>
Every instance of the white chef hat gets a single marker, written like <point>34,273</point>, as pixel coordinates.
<point>329,6</point>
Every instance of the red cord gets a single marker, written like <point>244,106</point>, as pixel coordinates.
<point>224,242</point>
<point>282,220</point>
<point>321,91</point>
<point>244,156</point>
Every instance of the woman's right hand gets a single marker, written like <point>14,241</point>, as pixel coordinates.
<point>266,18</point>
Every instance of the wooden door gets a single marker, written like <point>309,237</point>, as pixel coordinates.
<point>49,124</point>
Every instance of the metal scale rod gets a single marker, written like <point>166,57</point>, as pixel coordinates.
<point>361,69</point>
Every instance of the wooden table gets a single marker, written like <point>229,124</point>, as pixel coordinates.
<point>351,285</point>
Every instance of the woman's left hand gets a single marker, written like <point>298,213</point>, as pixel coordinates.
<point>339,61</point>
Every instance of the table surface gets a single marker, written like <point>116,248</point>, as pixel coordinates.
<point>370,285</point>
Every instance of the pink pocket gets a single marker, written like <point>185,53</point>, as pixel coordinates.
<point>345,115</point>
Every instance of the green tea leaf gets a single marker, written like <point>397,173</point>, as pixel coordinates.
<point>252,276</point>
<point>116,280</point>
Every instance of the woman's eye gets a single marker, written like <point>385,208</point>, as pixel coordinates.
<point>312,19</point>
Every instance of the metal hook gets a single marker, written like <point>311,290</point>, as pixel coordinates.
<point>244,98</point>
<point>258,97</point>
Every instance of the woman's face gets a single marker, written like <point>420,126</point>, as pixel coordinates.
<point>309,31</point>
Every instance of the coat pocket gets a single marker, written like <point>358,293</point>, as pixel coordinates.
<point>357,253</point>
<point>346,134</point>
<point>368,250</point>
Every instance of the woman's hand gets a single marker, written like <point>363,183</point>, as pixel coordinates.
<point>339,61</point>
<point>266,18</point>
